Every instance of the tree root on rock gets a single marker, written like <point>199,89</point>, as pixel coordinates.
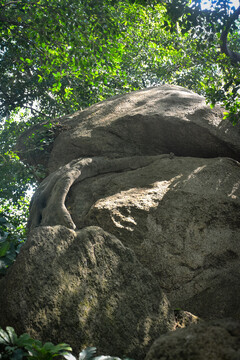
<point>48,208</point>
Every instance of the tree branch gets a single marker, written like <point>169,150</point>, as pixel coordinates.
<point>234,56</point>
<point>10,3</point>
<point>11,22</point>
<point>34,110</point>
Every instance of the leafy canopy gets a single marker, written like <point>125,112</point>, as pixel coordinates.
<point>58,56</point>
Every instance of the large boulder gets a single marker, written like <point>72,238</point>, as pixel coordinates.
<point>142,196</point>
<point>153,121</point>
<point>217,340</point>
<point>181,218</point>
<point>85,288</point>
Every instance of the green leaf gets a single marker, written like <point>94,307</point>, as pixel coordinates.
<point>3,220</point>
<point>4,338</point>
<point>18,354</point>
<point>12,335</point>
<point>3,235</point>
<point>62,347</point>
<point>25,340</point>
<point>87,353</point>
<point>4,247</point>
<point>69,356</point>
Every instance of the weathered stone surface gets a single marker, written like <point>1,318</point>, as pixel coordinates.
<point>85,288</point>
<point>181,218</point>
<point>218,340</point>
<point>153,121</point>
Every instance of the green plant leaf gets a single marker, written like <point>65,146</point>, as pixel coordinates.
<point>87,353</point>
<point>61,348</point>
<point>3,235</point>
<point>25,341</point>
<point>12,335</point>
<point>69,356</point>
<point>4,247</point>
<point>18,354</point>
<point>4,338</point>
<point>3,220</point>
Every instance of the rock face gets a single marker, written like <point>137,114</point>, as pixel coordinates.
<point>153,121</point>
<point>142,197</point>
<point>218,340</point>
<point>85,287</point>
<point>181,218</point>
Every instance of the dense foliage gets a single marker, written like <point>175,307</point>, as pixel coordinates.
<point>216,32</point>
<point>12,233</point>
<point>24,347</point>
<point>58,56</point>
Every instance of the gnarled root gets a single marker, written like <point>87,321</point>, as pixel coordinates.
<point>48,203</point>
